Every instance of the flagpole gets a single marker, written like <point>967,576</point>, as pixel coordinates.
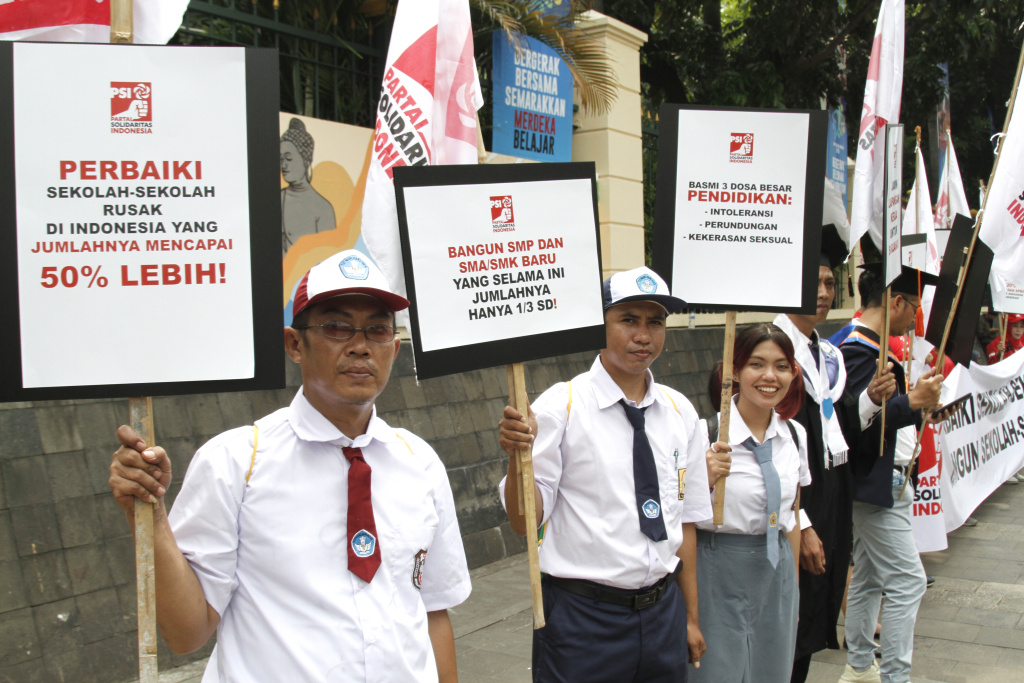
<point>940,357</point>
<point>1004,327</point>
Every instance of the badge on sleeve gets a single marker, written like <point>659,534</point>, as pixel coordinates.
<point>417,569</point>
<point>682,482</point>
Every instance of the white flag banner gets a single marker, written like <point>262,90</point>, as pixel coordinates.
<point>882,92</point>
<point>1002,224</point>
<point>952,199</point>
<point>918,218</point>
<point>982,444</point>
<point>87,21</point>
<point>426,114</point>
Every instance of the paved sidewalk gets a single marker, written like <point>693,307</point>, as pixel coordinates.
<point>970,628</point>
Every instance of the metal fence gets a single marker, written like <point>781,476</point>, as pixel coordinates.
<point>323,74</point>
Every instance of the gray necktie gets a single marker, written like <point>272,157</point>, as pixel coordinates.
<point>773,493</point>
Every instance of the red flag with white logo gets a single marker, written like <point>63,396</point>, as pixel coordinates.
<point>426,114</point>
<point>882,92</point>
<point>87,21</point>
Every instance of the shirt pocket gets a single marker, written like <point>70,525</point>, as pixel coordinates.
<point>410,561</point>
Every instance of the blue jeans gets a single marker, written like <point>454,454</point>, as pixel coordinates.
<point>885,558</point>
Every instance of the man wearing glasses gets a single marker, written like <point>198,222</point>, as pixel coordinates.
<point>885,557</point>
<point>281,541</point>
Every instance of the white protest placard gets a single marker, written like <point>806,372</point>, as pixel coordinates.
<point>502,261</point>
<point>892,223</point>
<point>140,216</point>
<point>1007,297</point>
<point>740,191</point>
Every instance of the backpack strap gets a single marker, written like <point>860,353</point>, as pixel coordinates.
<point>792,430</point>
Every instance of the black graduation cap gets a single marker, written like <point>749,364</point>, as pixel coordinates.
<point>907,281</point>
<point>833,248</point>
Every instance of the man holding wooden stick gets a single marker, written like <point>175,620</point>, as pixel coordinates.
<point>885,557</point>
<point>620,482</point>
<point>833,426</point>
<point>309,568</point>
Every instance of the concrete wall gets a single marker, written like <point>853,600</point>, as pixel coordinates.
<point>67,581</point>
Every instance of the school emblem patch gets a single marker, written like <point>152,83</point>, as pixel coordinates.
<point>417,569</point>
<point>651,509</point>
<point>647,284</point>
<point>354,268</point>
<point>773,520</point>
<point>363,543</point>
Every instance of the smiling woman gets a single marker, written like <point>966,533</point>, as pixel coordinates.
<point>746,571</point>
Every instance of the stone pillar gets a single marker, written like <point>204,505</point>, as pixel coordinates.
<point>613,141</point>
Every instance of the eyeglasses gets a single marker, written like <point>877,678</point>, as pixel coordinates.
<point>911,303</point>
<point>336,329</point>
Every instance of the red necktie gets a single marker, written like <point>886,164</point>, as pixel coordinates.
<point>363,547</point>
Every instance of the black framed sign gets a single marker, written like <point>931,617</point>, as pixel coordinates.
<point>140,233</point>
<point>502,263</point>
<point>892,221</point>
<point>738,213</point>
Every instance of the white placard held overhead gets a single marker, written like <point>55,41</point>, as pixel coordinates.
<point>893,219</point>
<point>502,262</point>
<point>740,191</point>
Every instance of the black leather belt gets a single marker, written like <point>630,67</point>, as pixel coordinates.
<point>634,599</point>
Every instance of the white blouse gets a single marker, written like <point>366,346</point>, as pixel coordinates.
<point>745,499</point>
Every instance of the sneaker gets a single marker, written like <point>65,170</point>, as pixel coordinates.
<point>869,675</point>
<point>929,581</point>
<point>1012,480</point>
<point>1019,476</point>
<point>970,521</point>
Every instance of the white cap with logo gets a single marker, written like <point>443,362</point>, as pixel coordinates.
<point>347,272</point>
<point>640,284</point>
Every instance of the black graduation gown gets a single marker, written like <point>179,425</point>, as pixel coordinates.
<point>828,502</point>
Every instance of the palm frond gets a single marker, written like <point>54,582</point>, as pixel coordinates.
<point>594,74</point>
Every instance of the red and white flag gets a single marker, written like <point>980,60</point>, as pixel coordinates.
<point>952,198</point>
<point>1002,224</point>
<point>87,21</point>
<point>882,92</point>
<point>426,114</point>
<point>918,218</point>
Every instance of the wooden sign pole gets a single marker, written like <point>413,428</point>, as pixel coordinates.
<point>524,467</point>
<point>1004,327</point>
<point>883,358</point>
<point>718,509</point>
<point>141,420</point>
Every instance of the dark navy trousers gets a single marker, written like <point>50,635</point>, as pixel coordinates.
<point>585,640</point>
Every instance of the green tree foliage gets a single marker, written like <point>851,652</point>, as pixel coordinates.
<point>764,53</point>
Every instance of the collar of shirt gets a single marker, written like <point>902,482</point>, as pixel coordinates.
<point>608,393</point>
<point>739,431</point>
<point>311,425</point>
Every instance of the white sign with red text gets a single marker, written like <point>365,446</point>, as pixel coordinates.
<point>507,259</point>
<point>740,191</point>
<point>133,242</point>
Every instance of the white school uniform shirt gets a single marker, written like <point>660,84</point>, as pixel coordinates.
<point>583,465</point>
<point>746,507</point>
<point>272,555</point>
